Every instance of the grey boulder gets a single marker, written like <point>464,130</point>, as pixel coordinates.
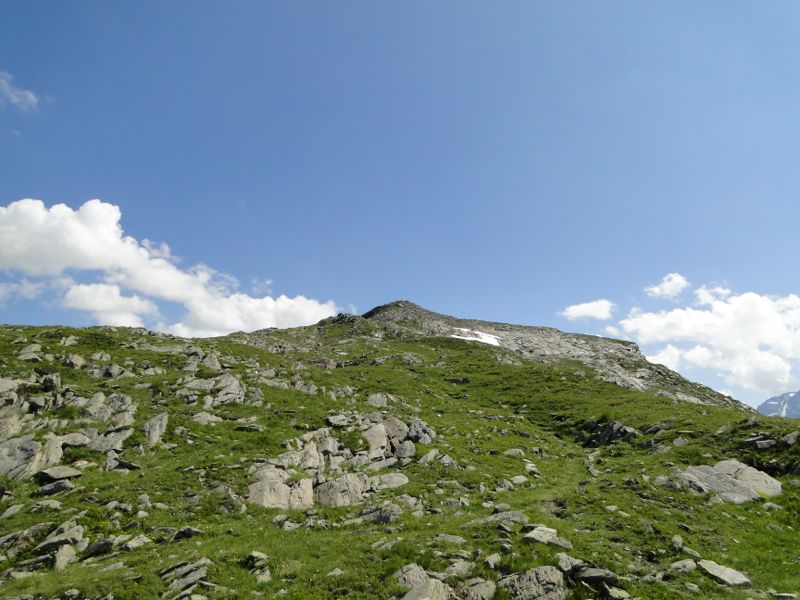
<point>546,535</point>
<point>430,589</point>
<point>344,491</point>
<point>478,589</point>
<point>731,480</point>
<point>411,575</point>
<point>185,575</point>
<point>155,429</point>
<point>21,457</point>
<point>111,440</point>
<point>541,583</point>
<point>271,491</point>
<point>724,575</point>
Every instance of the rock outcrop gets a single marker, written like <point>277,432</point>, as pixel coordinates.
<point>731,481</point>
<point>541,583</point>
<point>21,458</point>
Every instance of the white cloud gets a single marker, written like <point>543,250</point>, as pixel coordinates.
<point>671,286</point>
<point>108,305</point>
<point>214,314</point>
<point>708,295</point>
<point>700,356</point>
<point>24,288</point>
<point>30,289</point>
<point>261,286</point>
<point>23,100</point>
<point>751,340</point>
<point>669,357</point>
<point>613,331</point>
<point>46,242</point>
<point>597,309</point>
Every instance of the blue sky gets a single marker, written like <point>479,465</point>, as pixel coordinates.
<point>496,160</point>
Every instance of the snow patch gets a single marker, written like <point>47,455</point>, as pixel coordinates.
<point>477,336</point>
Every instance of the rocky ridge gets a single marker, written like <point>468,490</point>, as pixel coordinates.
<point>616,361</point>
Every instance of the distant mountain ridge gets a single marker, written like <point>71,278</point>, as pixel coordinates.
<point>784,405</point>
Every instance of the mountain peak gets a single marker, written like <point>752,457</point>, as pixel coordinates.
<point>397,310</point>
<point>783,405</point>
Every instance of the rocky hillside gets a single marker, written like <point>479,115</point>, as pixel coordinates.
<point>402,454</point>
<point>614,361</point>
<point>785,405</point>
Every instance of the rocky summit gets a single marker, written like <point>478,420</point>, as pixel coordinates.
<point>401,454</point>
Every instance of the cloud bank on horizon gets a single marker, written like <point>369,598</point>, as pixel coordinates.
<point>44,248</point>
<point>748,340</point>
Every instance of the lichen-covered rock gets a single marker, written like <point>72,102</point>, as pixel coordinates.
<point>420,432</point>
<point>411,575</point>
<point>344,491</point>
<point>603,434</point>
<point>57,473</point>
<point>387,512</point>
<point>75,440</point>
<point>74,361</point>
<point>379,400</point>
<point>390,481</point>
<point>21,457</point>
<point>155,429</point>
<point>395,429</point>
<point>541,583</point>
<point>229,390</point>
<point>205,418</point>
<point>430,589</point>
<point>184,575</point>
<point>16,542</point>
<point>546,535</point>
<point>110,440</point>
<point>8,385</point>
<point>724,575</point>
<point>377,440</point>
<point>68,533</point>
<point>271,491</point>
<point>731,481</point>
<point>507,517</point>
<point>478,589</point>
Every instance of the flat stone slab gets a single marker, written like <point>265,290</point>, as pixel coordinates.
<point>509,516</point>
<point>56,474</point>
<point>756,480</point>
<point>724,575</point>
<point>546,535</point>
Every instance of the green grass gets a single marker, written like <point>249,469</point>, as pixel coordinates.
<point>540,409</point>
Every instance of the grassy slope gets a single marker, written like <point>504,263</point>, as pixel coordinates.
<point>495,407</point>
